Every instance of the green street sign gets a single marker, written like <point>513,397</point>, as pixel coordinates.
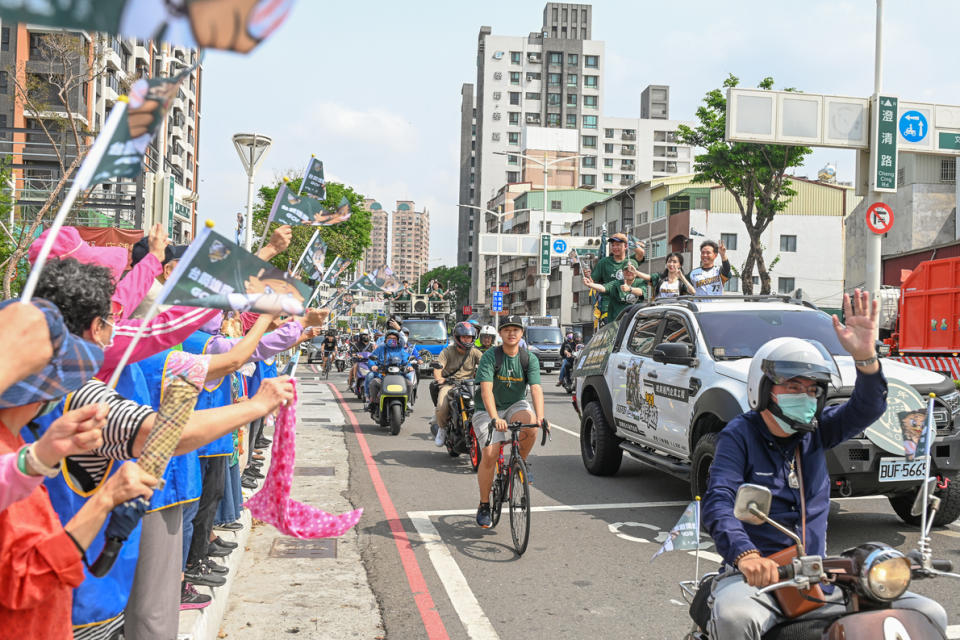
<point>948,141</point>
<point>884,144</point>
<point>545,243</point>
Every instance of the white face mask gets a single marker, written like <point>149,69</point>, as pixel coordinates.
<point>112,330</point>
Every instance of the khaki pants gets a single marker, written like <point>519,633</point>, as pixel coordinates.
<point>443,410</point>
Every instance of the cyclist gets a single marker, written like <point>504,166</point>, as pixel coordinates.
<point>488,337</point>
<point>329,348</point>
<point>459,362</point>
<point>567,351</point>
<point>503,376</point>
<point>390,348</point>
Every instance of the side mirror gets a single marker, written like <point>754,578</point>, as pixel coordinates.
<point>673,353</point>
<point>752,499</point>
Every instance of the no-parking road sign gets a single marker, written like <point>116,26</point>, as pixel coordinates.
<point>879,218</point>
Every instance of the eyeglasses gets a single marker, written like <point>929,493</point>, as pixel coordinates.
<point>814,391</point>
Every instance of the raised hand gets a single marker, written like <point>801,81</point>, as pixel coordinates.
<point>859,334</point>
<point>723,251</point>
<point>273,392</point>
<point>280,239</point>
<point>128,483</point>
<point>157,240</point>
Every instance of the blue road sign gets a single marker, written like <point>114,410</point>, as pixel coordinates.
<point>497,303</point>
<point>913,126</point>
<point>559,246</point>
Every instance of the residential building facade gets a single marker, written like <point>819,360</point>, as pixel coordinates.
<point>410,242</point>
<point>376,254</point>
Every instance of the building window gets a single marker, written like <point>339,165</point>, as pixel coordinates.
<point>512,159</point>
<point>513,176</point>
<point>644,217</point>
<point>533,118</point>
<point>591,82</point>
<point>756,281</point>
<point>590,142</point>
<point>729,240</point>
<point>785,285</point>
<point>513,117</point>
<point>515,57</point>
<point>591,62</point>
<point>589,122</point>
<point>533,75</point>
<point>573,59</point>
<point>571,80</point>
<point>607,148</point>
<point>514,97</point>
<point>588,180</point>
<point>788,244</point>
<point>556,205</point>
<point>659,209</point>
<point>732,285</point>
<point>589,162</point>
<point>948,170</point>
<point>571,99</point>
<point>590,102</point>
<point>553,99</point>
<point>658,248</point>
<point>5,39</point>
<point>556,57</point>
<point>608,177</point>
<point>513,138</point>
<point>532,95</point>
<point>553,79</point>
<point>553,120</point>
<point>571,121</point>
<point>608,133</point>
<point>3,82</point>
<point>608,163</point>
<point>514,77</point>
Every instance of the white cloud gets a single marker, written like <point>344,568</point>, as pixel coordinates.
<point>372,125</point>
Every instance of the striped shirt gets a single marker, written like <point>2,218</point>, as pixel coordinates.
<point>124,420</point>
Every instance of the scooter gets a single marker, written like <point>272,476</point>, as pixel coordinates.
<point>460,437</point>
<point>340,360</point>
<point>871,577</point>
<point>363,368</point>
<point>393,403</point>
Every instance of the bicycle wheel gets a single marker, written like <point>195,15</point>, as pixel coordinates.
<point>496,497</point>
<point>519,500</point>
<point>473,447</point>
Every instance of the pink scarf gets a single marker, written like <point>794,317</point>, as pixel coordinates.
<point>273,504</point>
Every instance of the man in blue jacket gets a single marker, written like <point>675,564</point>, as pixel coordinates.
<point>780,444</point>
<point>391,347</point>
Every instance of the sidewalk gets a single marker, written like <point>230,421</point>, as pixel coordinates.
<point>281,587</point>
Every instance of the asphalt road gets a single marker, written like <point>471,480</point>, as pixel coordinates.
<point>587,571</point>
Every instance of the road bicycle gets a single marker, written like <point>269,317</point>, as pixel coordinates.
<point>327,360</point>
<point>512,483</point>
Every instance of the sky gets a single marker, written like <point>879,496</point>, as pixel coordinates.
<point>373,88</point>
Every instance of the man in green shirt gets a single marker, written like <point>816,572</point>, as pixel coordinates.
<point>620,294</point>
<point>610,268</point>
<point>501,397</point>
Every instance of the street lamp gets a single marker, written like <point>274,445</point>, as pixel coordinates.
<point>252,149</point>
<point>544,279</point>
<point>499,216</point>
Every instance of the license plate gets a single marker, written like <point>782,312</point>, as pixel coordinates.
<point>548,365</point>
<point>900,469</point>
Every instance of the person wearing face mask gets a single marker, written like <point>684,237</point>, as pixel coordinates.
<point>391,347</point>
<point>781,444</point>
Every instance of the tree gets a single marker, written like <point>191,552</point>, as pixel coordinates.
<point>347,239</point>
<point>754,173</point>
<point>455,280</point>
<point>53,90</point>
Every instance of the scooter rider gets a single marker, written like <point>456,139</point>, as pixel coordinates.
<point>780,444</point>
<point>487,339</point>
<point>459,361</point>
<point>359,345</point>
<point>390,348</point>
<point>567,349</point>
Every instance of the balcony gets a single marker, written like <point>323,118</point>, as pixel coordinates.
<point>628,150</point>
<point>625,181</point>
<point>533,118</point>
<point>534,57</point>
<point>628,135</point>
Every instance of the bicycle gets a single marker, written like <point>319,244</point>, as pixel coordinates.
<point>512,483</point>
<point>327,359</point>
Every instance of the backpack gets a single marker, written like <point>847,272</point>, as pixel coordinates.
<point>524,355</point>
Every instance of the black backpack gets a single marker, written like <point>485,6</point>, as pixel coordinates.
<point>524,355</point>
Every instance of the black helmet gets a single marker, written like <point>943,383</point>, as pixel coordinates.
<point>464,329</point>
<point>331,332</point>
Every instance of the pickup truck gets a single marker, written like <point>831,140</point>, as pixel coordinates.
<point>660,382</point>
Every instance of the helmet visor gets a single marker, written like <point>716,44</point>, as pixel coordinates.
<point>819,367</point>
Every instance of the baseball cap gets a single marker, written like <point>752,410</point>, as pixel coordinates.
<point>74,362</point>
<point>142,248</point>
<point>69,244</point>
<point>618,237</point>
<point>511,321</point>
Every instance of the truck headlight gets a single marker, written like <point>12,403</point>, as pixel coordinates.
<point>885,574</point>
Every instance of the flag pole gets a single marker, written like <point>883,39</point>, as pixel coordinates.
<point>927,439</point>
<point>80,180</point>
<point>266,226</point>
<point>302,255</point>
<point>696,575</point>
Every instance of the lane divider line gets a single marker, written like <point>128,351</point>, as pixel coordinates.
<point>418,586</point>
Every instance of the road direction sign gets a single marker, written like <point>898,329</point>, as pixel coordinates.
<point>559,246</point>
<point>883,151</point>
<point>913,126</point>
<point>545,254</point>
<point>879,218</point>
<point>948,141</point>
<point>497,301</point>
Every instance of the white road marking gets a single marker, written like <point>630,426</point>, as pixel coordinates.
<point>565,430</point>
<point>677,602</point>
<point>615,528</point>
<point>562,507</point>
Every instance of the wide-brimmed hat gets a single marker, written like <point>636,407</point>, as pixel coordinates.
<point>74,362</point>
<point>511,321</point>
<point>69,244</point>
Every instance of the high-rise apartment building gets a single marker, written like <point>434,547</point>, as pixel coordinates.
<point>551,78</point>
<point>410,242</point>
<point>376,254</point>
<point>107,65</point>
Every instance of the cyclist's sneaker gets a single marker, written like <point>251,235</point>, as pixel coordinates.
<point>484,520</point>
<point>441,437</point>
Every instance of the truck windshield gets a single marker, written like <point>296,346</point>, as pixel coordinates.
<point>426,331</point>
<point>738,334</point>
<point>544,335</point>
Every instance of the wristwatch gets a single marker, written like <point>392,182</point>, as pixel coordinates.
<point>867,362</point>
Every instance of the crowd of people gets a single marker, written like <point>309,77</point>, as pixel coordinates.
<point>69,440</point>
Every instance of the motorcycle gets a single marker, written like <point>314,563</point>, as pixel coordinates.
<point>567,382</point>
<point>393,404</point>
<point>340,360</point>
<point>363,368</point>
<point>871,576</point>
<point>460,437</point>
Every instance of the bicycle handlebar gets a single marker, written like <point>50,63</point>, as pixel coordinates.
<point>517,426</point>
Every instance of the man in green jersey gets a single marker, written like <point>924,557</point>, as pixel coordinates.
<point>501,397</point>
<point>610,268</point>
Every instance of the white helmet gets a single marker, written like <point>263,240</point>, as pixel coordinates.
<point>782,359</point>
<point>488,330</point>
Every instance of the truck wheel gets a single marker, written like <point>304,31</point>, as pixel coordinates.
<point>949,503</point>
<point>599,447</point>
<point>700,462</point>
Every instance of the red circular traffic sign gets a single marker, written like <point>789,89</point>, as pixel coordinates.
<point>879,217</point>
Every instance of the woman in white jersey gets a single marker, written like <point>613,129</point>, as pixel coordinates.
<point>671,282</point>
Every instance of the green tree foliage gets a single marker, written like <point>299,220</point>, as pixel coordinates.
<point>754,173</point>
<point>347,239</point>
<point>455,279</point>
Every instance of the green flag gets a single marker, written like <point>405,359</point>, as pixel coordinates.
<point>216,273</point>
<point>289,208</point>
<point>685,534</point>
<point>313,183</point>
<point>384,280</point>
<point>336,269</point>
<point>313,258</point>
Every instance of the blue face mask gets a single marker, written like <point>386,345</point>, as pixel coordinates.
<point>797,406</point>
<point>392,343</point>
